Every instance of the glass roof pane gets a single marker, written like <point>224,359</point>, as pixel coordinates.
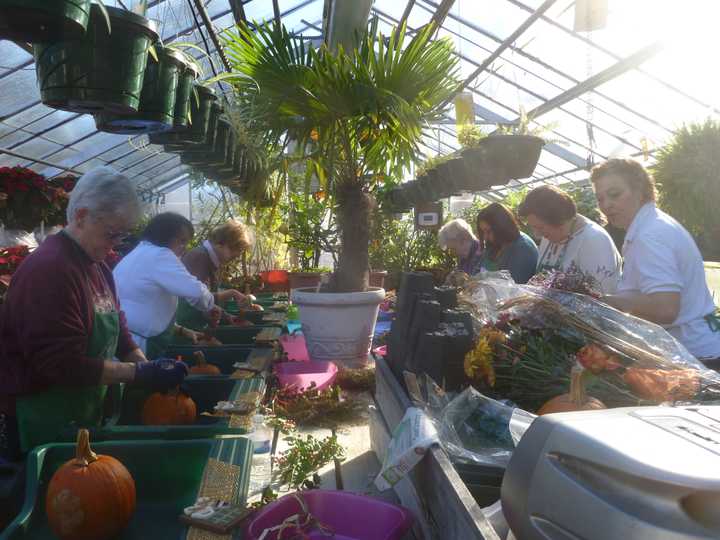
<point>13,56</point>
<point>37,147</point>
<point>18,90</point>
<point>29,115</point>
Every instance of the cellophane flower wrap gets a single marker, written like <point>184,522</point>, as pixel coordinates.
<point>529,337</point>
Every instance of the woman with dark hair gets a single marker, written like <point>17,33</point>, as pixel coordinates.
<point>570,241</point>
<point>663,278</point>
<point>506,247</point>
<point>150,280</point>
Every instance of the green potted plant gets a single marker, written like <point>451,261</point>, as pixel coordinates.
<point>36,21</point>
<point>311,231</point>
<point>101,71</point>
<point>687,173</point>
<point>360,114</point>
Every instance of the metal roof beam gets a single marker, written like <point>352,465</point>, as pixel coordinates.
<point>546,66</point>
<point>406,13</point>
<point>631,62</point>
<point>508,41</point>
<point>37,160</point>
<point>238,10</point>
<point>617,57</point>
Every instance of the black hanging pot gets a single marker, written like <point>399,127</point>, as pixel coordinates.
<point>35,21</point>
<point>513,156</point>
<point>191,137</point>
<point>223,135</point>
<point>183,116</point>
<point>456,176</point>
<point>399,200</point>
<point>428,188</point>
<point>101,71</point>
<point>157,100</point>
<point>414,193</point>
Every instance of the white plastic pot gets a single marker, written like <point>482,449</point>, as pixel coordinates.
<point>338,327</point>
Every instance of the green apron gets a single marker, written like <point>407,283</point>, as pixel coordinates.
<point>189,317</point>
<point>156,346</point>
<point>43,417</point>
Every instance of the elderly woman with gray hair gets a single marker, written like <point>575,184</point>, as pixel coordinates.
<point>458,239</point>
<point>61,324</point>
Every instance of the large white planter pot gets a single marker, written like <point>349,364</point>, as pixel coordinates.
<point>338,326</point>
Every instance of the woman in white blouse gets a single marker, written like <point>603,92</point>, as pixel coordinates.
<point>570,241</point>
<point>151,278</point>
<point>663,277</point>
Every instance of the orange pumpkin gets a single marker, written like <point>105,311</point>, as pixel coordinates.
<point>169,409</point>
<point>663,384</point>
<point>91,497</point>
<point>575,400</point>
<point>201,366</point>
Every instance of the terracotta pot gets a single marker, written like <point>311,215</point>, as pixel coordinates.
<point>377,278</point>
<point>304,279</point>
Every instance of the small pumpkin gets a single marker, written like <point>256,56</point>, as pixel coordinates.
<point>90,497</point>
<point>575,400</point>
<point>169,409</point>
<point>201,366</point>
<point>661,385</point>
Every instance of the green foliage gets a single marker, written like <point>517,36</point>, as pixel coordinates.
<point>396,246</point>
<point>587,204</point>
<point>312,229</point>
<point>305,456</point>
<point>358,115</point>
<point>469,136</point>
<point>432,162</point>
<point>688,172</point>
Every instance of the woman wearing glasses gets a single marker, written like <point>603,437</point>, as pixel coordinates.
<point>152,278</point>
<point>225,244</point>
<point>61,324</point>
<point>570,242</point>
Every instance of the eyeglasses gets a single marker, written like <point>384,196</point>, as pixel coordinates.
<point>116,237</point>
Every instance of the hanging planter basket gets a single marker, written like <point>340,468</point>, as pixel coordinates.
<point>191,137</point>
<point>512,156</point>
<point>183,116</point>
<point>455,176</point>
<point>223,137</point>
<point>429,188</point>
<point>101,71</point>
<point>35,21</point>
<point>157,100</point>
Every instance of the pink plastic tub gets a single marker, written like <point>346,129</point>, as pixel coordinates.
<point>301,375</point>
<point>350,516</point>
<point>295,348</point>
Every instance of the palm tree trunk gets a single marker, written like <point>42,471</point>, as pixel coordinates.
<point>354,207</point>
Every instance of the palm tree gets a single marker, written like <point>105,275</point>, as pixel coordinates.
<point>358,116</point>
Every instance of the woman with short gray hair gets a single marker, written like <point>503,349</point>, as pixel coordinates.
<point>457,237</point>
<point>61,324</point>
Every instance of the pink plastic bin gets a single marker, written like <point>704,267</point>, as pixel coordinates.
<point>295,348</point>
<point>352,517</point>
<point>301,375</point>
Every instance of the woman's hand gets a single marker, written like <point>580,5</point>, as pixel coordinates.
<point>239,298</point>
<point>135,356</point>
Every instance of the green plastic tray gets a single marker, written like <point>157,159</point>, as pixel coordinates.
<point>239,335</point>
<point>167,475</point>
<point>223,357</point>
<point>206,391</point>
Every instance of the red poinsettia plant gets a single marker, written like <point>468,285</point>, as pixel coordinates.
<point>10,259</point>
<point>62,186</point>
<point>27,198</point>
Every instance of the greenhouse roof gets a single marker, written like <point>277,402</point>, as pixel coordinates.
<point>618,91</point>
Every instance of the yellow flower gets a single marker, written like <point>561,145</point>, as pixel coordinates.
<point>493,336</point>
<point>479,362</point>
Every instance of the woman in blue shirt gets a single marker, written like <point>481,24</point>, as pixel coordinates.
<point>506,247</point>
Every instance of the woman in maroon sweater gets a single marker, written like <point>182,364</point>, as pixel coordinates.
<point>61,324</point>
